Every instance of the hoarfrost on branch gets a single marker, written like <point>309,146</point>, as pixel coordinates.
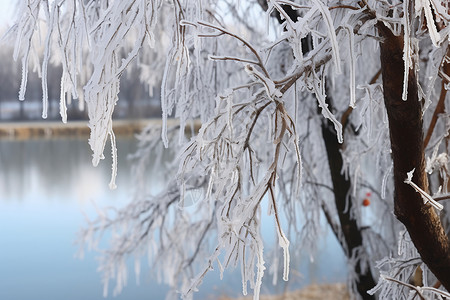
<point>264,85</point>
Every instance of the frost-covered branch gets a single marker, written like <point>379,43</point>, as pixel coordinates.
<point>274,118</point>
<point>425,196</point>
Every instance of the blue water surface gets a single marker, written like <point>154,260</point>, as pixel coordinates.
<point>45,186</point>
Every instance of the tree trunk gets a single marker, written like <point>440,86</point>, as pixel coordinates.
<point>406,134</point>
<point>341,185</point>
<point>341,189</point>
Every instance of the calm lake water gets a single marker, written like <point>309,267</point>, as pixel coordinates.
<point>44,187</point>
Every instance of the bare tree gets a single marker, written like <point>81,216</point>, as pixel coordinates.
<point>291,107</point>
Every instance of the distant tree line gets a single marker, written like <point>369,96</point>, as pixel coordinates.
<point>134,97</point>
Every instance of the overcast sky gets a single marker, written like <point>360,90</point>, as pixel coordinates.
<point>6,11</point>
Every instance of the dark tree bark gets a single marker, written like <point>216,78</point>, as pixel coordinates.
<point>406,134</point>
<point>341,188</point>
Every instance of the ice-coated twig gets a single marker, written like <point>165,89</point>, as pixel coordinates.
<point>321,99</point>
<point>425,196</point>
<point>239,38</point>
<point>237,59</point>
<point>247,146</point>
<point>406,48</point>
<point>419,289</point>
<point>272,92</point>
<point>434,34</point>
<point>331,33</point>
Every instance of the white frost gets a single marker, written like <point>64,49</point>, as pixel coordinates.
<point>425,196</point>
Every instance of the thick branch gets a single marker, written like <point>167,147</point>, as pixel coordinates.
<point>341,190</point>
<point>406,134</point>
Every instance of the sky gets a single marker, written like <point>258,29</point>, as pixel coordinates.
<point>6,11</point>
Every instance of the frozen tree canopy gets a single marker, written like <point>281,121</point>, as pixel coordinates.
<point>305,105</point>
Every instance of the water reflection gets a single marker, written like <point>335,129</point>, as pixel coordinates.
<point>45,184</point>
<point>58,170</point>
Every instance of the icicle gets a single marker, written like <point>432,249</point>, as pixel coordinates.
<point>164,106</point>
<point>326,112</point>
<point>384,182</point>
<point>23,83</point>
<point>260,271</point>
<point>73,72</point>
<point>244,274</point>
<point>44,91</point>
<point>331,34</point>
<point>284,243</point>
<point>351,39</point>
<point>221,269</point>
<point>112,184</point>
<point>300,168</point>
<point>432,30</point>
<point>62,101</point>
<point>50,19</point>
<point>406,49</point>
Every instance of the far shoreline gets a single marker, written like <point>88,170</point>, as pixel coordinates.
<point>48,129</point>
<point>336,291</point>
